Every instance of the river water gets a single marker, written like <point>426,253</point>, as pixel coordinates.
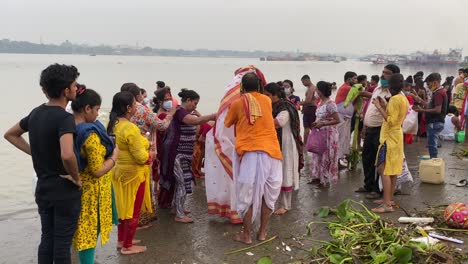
<point>21,92</point>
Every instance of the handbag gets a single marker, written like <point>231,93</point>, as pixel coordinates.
<point>317,141</point>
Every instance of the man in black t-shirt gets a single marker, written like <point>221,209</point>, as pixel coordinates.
<point>58,192</point>
<point>435,111</point>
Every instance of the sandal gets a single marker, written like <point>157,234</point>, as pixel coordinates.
<point>361,190</point>
<point>373,195</point>
<point>462,183</point>
<point>314,181</point>
<point>322,186</point>
<point>381,202</point>
<point>381,209</point>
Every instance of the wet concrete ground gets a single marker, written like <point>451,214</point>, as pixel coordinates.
<point>206,240</point>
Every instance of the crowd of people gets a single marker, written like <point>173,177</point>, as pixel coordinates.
<point>250,153</point>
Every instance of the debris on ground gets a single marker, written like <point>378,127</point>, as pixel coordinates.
<point>361,236</point>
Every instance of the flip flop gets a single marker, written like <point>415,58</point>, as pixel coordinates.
<point>381,202</point>
<point>462,183</point>
<point>381,209</point>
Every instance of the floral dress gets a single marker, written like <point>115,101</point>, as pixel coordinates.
<point>149,123</point>
<point>325,166</point>
<point>96,200</point>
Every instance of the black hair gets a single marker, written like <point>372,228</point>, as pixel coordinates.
<point>56,78</point>
<point>395,83</point>
<point>419,82</point>
<point>132,88</point>
<point>409,79</point>
<point>433,77</point>
<point>465,70</point>
<point>280,83</point>
<point>453,110</point>
<point>160,84</point>
<point>142,91</point>
<point>420,74</point>
<point>361,78</point>
<point>275,89</point>
<point>127,86</point>
<point>305,77</point>
<point>87,97</point>
<point>186,94</point>
<point>393,68</point>
<point>251,83</point>
<point>290,82</point>
<point>159,97</point>
<point>375,78</point>
<point>448,81</point>
<point>349,75</point>
<point>461,69</point>
<point>120,103</point>
<point>325,88</point>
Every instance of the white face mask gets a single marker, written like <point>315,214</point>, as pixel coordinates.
<point>287,91</point>
<point>167,105</point>
<point>146,101</point>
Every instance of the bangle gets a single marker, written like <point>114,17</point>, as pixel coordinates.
<point>113,161</point>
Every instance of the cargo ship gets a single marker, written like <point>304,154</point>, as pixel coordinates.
<point>453,57</point>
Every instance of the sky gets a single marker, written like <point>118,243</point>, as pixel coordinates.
<point>329,26</point>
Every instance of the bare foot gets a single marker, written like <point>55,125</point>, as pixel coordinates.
<point>281,211</point>
<point>243,238</point>
<point>134,241</point>
<point>185,219</point>
<point>261,236</point>
<point>144,226</point>
<point>133,250</point>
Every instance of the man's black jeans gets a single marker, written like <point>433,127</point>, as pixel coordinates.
<point>59,220</point>
<point>369,154</point>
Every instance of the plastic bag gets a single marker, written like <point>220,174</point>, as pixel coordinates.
<point>410,124</point>
<point>404,177</point>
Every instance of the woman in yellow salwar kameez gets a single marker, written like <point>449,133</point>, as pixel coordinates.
<point>96,157</point>
<point>391,153</point>
<point>131,187</point>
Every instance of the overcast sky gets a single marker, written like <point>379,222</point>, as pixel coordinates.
<point>355,26</point>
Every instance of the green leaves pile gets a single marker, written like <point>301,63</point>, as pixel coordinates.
<point>361,236</point>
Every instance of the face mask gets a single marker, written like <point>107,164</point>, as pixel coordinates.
<point>145,101</point>
<point>287,91</point>
<point>406,92</point>
<point>167,105</point>
<point>383,83</point>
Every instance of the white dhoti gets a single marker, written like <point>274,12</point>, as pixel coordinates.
<point>260,176</point>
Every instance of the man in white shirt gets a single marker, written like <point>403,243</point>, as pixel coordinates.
<point>372,123</point>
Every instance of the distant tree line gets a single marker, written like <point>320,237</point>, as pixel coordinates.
<point>10,46</point>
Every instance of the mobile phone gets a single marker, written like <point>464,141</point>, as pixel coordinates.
<point>112,138</point>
